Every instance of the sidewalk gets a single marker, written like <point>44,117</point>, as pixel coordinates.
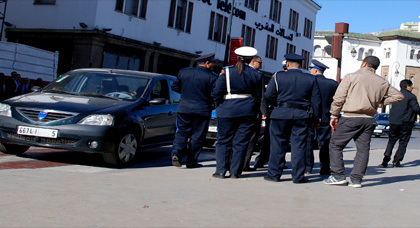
<point>166,196</point>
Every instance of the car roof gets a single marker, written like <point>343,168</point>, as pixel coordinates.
<point>119,71</point>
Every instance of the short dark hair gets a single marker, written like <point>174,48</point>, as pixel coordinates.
<point>372,61</point>
<point>404,83</point>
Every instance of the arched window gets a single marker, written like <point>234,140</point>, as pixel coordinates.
<point>369,53</point>
<point>388,53</point>
<point>327,51</point>
<point>360,54</point>
<point>418,55</point>
<point>317,51</point>
<point>412,54</point>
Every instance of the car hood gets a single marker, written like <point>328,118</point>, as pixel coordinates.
<point>70,103</point>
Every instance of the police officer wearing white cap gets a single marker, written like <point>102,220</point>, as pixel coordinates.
<point>238,94</point>
<point>295,94</point>
<point>195,85</point>
<point>323,132</point>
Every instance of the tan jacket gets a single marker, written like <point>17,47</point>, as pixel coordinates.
<point>361,92</point>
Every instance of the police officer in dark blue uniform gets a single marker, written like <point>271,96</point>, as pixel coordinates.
<point>297,100</point>
<point>194,110</point>
<point>238,95</point>
<point>322,134</point>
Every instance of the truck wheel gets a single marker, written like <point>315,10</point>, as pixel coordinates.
<point>13,148</point>
<point>125,151</point>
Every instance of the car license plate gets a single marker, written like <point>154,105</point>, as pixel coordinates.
<point>212,128</point>
<point>377,131</point>
<point>33,131</point>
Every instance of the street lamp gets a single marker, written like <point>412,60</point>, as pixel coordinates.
<point>353,52</point>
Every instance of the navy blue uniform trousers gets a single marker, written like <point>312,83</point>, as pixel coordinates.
<point>280,133</point>
<point>191,127</point>
<point>233,135</point>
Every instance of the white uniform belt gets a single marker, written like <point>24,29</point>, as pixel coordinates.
<point>236,96</point>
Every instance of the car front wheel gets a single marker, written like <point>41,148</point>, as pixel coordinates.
<point>125,151</point>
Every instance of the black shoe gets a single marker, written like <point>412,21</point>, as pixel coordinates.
<point>383,165</point>
<point>235,176</point>
<point>249,169</point>
<point>194,166</point>
<point>273,179</point>
<point>303,180</point>
<point>175,161</point>
<point>397,164</point>
<point>219,175</point>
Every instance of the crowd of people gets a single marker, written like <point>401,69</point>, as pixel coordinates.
<point>16,85</point>
<point>302,111</point>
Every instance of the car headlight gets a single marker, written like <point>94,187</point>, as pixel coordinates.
<point>387,127</point>
<point>5,110</point>
<point>99,120</point>
<point>380,127</point>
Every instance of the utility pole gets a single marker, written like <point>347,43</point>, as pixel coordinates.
<point>227,49</point>
<point>2,16</point>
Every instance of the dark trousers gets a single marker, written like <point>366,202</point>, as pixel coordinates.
<point>264,154</point>
<point>189,137</point>
<point>320,137</point>
<point>360,130</point>
<point>233,136</point>
<point>252,143</point>
<point>323,136</point>
<point>401,133</point>
<point>281,131</point>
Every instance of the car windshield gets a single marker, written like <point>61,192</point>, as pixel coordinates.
<point>382,117</point>
<point>99,84</point>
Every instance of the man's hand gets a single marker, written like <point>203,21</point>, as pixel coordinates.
<point>333,122</point>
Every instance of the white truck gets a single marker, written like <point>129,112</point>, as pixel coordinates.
<point>29,62</point>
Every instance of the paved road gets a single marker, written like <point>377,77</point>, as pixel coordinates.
<point>50,188</point>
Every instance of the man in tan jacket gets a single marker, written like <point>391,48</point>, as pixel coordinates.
<point>358,97</point>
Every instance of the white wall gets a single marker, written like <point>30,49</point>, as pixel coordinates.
<point>66,14</point>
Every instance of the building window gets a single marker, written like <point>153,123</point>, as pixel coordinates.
<point>271,48</point>
<point>248,35</point>
<point>412,54</point>
<point>293,20</point>
<point>327,51</point>
<point>360,54</point>
<point>388,53</point>
<point>218,27</point>
<point>116,61</point>
<point>308,28</point>
<point>418,55</point>
<point>137,8</point>
<point>305,62</point>
<point>252,4</point>
<point>275,10</point>
<point>369,53</point>
<point>290,49</point>
<point>44,2</point>
<point>180,15</point>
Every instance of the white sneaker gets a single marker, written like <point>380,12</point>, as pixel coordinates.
<point>354,184</point>
<point>334,181</point>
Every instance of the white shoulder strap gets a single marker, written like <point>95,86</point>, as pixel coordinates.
<point>275,80</point>
<point>227,80</point>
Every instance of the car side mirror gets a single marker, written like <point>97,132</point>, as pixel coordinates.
<point>157,101</point>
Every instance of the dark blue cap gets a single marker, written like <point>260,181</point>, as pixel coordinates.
<point>205,58</point>
<point>318,65</point>
<point>294,57</point>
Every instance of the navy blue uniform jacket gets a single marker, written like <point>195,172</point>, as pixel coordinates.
<point>195,86</point>
<point>249,82</point>
<point>327,87</point>
<point>405,111</point>
<point>294,87</point>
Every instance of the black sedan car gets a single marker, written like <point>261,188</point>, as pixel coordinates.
<point>107,111</point>
<point>382,127</point>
